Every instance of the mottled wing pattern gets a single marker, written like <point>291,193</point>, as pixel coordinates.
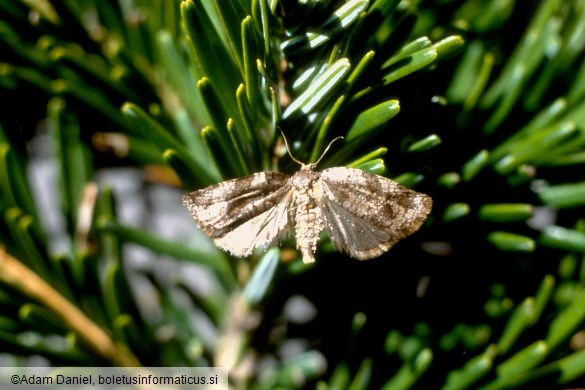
<point>367,214</point>
<point>241,214</point>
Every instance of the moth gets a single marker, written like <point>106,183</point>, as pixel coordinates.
<point>363,214</point>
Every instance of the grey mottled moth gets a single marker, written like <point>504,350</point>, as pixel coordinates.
<point>363,214</point>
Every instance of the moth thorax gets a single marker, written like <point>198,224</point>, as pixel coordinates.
<point>304,179</point>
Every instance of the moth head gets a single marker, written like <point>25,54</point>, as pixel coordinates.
<point>309,166</point>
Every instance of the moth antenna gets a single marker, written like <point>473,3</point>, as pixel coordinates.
<point>288,148</point>
<point>327,149</point>
<point>322,154</point>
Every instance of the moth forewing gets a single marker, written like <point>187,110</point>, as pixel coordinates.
<point>366,214</point>
<point>265,229</point>
<point>241,214</point>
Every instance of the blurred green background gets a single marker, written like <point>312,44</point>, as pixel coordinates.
<point>112,110</point>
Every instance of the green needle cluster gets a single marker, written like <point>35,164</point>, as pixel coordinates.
<point>479,104</point>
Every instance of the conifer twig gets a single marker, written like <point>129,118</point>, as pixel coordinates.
<point>17,275</point>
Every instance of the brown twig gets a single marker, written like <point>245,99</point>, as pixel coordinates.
<point>17,275</point>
